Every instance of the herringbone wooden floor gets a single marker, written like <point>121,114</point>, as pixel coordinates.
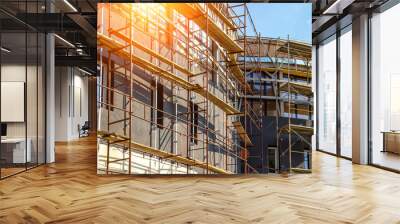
<point>69,191</point>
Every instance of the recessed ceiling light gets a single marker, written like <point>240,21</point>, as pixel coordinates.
<point>5,50</point>
<point>337,7</point>
<point>70,5</point>
<point>86,72</point>
<point>64,40</point>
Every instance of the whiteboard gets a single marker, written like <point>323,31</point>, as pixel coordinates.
<point>12,101</point>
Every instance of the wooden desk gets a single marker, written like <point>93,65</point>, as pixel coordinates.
<point>13,150</point>
<point>391,141</point>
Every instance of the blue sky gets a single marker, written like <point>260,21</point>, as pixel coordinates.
<point>280,19</point>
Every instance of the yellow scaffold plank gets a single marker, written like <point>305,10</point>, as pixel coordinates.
<point>296,48</point>
<point>149,51</point>
<point>300,88</point>
<point>194,12</point>
<point>163,154</point>
<point>270,67</point>
<point>233,64</point>
<point>292,72</point>
<point>113,44</point>
<point>237,72</point>
<point>125,9</point>
<point>234,67</point>
<point>221,15</point>
<point>242,133</point>
<point>300,170</point>
<point>299,128</point>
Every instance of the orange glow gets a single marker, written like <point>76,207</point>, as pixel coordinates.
<point>147,9</point>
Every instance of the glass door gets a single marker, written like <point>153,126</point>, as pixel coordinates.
<point>22,117</point>
<point>14,153</point>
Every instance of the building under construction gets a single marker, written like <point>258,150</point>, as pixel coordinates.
<point>279,73</point>
<point>183,89</point>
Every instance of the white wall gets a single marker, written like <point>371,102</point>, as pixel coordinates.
<point>61,104</point>
<point>71,102</point>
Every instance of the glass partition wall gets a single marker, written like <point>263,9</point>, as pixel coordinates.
<point>385,89</point>
<point>334,94</point>
<point>327,95</point>
<point>22,77</point>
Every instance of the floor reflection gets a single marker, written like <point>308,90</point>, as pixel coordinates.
<point>386,159</point>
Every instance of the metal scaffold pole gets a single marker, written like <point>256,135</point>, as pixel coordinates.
<point>189,117</point>
<point>108,110</point>
<point>289,104</point>
<point>278,111</point>
<point>130,91</point>
<point>245,90</point>
<point>207,91</point>
<point>263,156</point>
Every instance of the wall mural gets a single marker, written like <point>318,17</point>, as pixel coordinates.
<point>177,91</point>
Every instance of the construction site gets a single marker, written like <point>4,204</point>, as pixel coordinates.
<point>194,88</point>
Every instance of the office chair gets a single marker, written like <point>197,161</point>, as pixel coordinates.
<point>84,130</point>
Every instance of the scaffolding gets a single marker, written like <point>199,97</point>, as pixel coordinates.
<point>170,89</point>
<point>280,74</point>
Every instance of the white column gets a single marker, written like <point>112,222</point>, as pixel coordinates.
<point>50,99</point>
<point>314,89</point>
<point>360,90</point>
